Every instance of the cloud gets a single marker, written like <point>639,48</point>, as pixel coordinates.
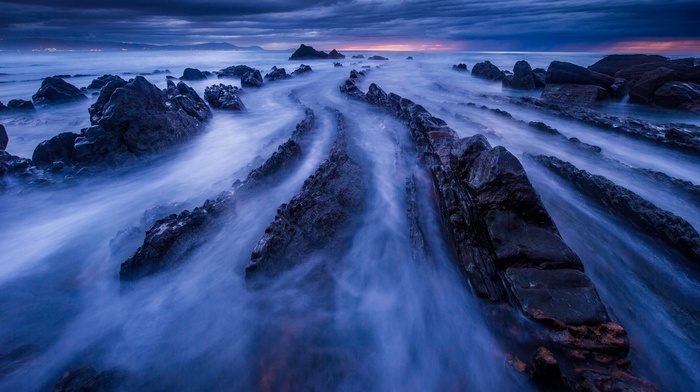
<point>533,24</point>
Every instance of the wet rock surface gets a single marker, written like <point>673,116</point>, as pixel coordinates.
<point>486,70</point>
<point>103,80</point>
<point>302,70</point>
<point>484,197</point>
<point>678,95</point>
<point>235,71</point>
<point>129,120</point>
<point>18,106</point>
<point>460,67</point>
<point>4,139</point>
<point>252,79</point>
<point>224,97</point>
<point>610,65</point>
<point>56,90</point>
<point>192,74</point>
<point>171,239</point>
<point>664,225</point>
<point>315,220</point>
<point>305,52</point>
<point>522,78</point>
<point>560,72</point>
<point>574,93</point>
<point>277,74</point>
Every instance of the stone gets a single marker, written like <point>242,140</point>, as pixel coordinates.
<point>574,93</point>
<point>4,139</point>
<point>308,53</point>
<point>252,79</point>
<point>611,64</point>
<point>523,78</point>
<point>20,105</point>
<point>545,368</point>
<point>56,90</point>
<point>381,58</point>
<point>336,64</point>
<point>409,58</point>
<point>277,74</point>
<point>643,91</point>
<point>335,55</point>
<point>664,225</point>
<point>236,71</point>
<point>224,97</point>
<point>59,148</point>
<point>560,72</point>
<point>488,71</point>
<point>302,70</point>
<point>634,73</point>
<point>678,95</point>
<point>460,67</point>
<point>358,56</point>
<point>563,294</point>
<point>192,74</point>
<point>103,80</point>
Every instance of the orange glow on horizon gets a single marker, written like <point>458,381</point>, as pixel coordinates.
<point>677,47</point>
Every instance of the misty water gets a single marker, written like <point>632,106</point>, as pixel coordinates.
<point>396,323</point>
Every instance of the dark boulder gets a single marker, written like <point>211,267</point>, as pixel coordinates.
<point>523,78</point>
<point>560,72</point>
<point>350,86</point>
<point>574,93</point>
<point>539,75</point>
<point>224,97</point>
<point>87,379</point>
<point>252,79</point>
<point>12,164</point>
<point>382,58</point>
<point>192,74</point>
<point>4,139</point>
<point>635,72</point>
<point>678,95</point>
<point>545,367</point>
<point>486,70</point>
<point>358,56</point>
<point>335,55</point>
<point>56,90</point>
<point>643,91</point>
<point>102,81</point>
<point>336,64</point>
<point>59,148</point>
<point>301,70</point>
<point>409,58</point>
<point>20,105</point>
<point>609,65</point>
<point>659,223</point>
<point>277,74</point>
<point>308,53</point>
<point>460,67</point>
<point>236,71</point>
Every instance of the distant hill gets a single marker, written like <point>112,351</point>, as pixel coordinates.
<point>42,44</point>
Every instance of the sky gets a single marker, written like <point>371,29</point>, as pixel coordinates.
<point>568,25</point>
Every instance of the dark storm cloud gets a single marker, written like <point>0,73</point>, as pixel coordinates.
<point>523,24</point>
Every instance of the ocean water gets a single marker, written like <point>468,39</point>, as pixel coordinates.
<point>396,324</point>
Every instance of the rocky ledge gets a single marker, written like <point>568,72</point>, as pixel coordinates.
<point>511,251</point>
<point>170,239</point>
<point>305,52</point>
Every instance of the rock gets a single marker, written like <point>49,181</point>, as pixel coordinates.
<point>192,74</point>
<point>634,73</point>
<point>224,97</point>
<point>678,95</point>
<point>4,139</point>
<point>643,91</point>
<point>301,70</point>
<point>169,241</point>
<point>20,105</point>
<point>574,93</point>
<point>314,220</point>
<point>409,58</point>
<point>335,55</point>
<point>58,148</point>
<point>523,78</point>
<point>560,72</point>
<point>585,146</point>
<point>381,58</point>
<point>486,70</point>
<point>350,86</point>
<point>539,76</point>
<point>611,64</point>
<point>235,71</point>
<point>358,56</point>
<point>56,90</point>
<point>87,379</point>
<point>12,164</point>
<point>544,128</point>
<point>252,79</point>
<point>102,81</point>
<point>659,223</point>
<point>308,53</point>
<point>276,74</point>
<point>562,294</point>
<point>337,64</point>
<point>460,67</point>
<point>545,367</point>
